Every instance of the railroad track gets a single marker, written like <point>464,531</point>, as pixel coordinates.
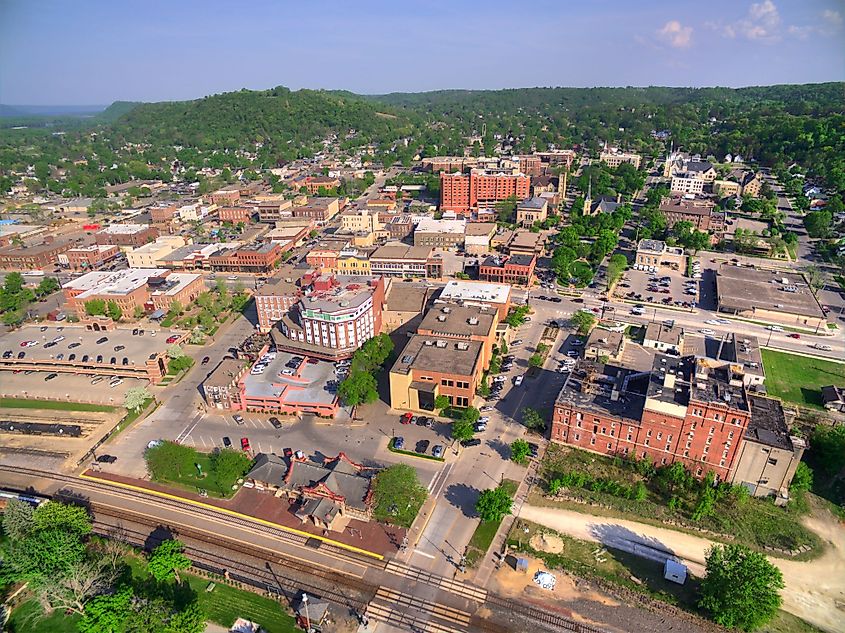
<point>329,580</point>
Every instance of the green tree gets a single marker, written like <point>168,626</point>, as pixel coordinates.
<point>107,613</point>
<point>135,398</point>
<point>741,587</point>
<point>582,321</point>
<point>17,519</point>
<point>170,460</point>
<point>167,560</point>
<point>62,516</point>
<point>494,504</point>
<point>359,387</point>
<point>802,481</point>
<point>818,223</point>
<point>533,419</point>
<point>373,353</point>
<point>228,465</point>
<point>47,286</point>
<point>114,311</point>
<point>462,429</point>
<point>520,451</point>
<point>441,402</point>
<point>828,451</point>
<point>535,360</point>
<point>95,307</point>
<point>398,494</point>
<point>175,351</point>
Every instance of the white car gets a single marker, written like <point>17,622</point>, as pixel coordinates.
<point>483,420</point>
<point>115,383</point>
<point>713,322</point>
<point>287,372</point>
<point>572,353</point>
<point>486,407</point>
<point>58,339</point>
<point>499,379</point>
<point>518,380</point>
<point>775,328</point>
<point>822,346</point>
<point>723,321</point>
<point>708,332</point>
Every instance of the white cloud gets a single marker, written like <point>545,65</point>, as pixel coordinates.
<point>833,18</point>
<point>675,34</point>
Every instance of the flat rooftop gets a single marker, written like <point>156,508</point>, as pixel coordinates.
<point>307,385</point>
<point>591,386</point>
<point>476,291</point>
<point>768,423</point>
<point>430,225</point>
<point>656,331</point>
<point>120,282</point>
<point>351,291</point>
<point>430,352</point>
<point>456,320</point>
<point>742,288</point>
<point>124,229</point>
<point>508,260</point>
<point>397,250</point>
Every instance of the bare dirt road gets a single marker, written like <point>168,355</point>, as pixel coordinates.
<point>815,591</point>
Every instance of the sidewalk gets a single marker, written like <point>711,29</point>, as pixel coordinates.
<point>492,558</point>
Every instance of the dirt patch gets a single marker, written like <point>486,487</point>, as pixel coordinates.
<point>550,543</point>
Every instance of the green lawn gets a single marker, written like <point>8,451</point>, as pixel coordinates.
<point>486,531</point>
<point>798,379</point>
<point>28,403</point>
<point>193,481</point>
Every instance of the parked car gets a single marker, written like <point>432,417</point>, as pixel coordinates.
<point>238,418</point>
<point>118,348</point>
<point>245,444</point>
<point>205,360</point>
<point>398,442</point>
<point>172,339</point>
<point>518,381</point>
<point>422,447</point>
<point>534,450</point>
<point>116,383</point>
<point>227,443</point>
<point>406,417</point>
<point>707,332</point>
<point>276,423</point>
<point>106,459</point>
<point>471,442</point>
<point>437,451</point>
<point>50,377</point>
<point>74,345</point>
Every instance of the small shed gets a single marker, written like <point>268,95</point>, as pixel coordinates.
<point>522,565</point>
<point>675,571</point>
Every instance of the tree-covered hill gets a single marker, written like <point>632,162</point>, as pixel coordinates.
<point>238,120</point>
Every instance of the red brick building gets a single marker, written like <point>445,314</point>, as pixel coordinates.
<point>465,192</point>
<point>275,298</point>
<point>318,209</point>
<point>261,259</point>
<point>162,215</point>
<point>225,196</point>
<point>91,257</point>
<point>234,214</point>
<point>512,269</point>
<point>33,257</point>
<point>127,234</point>
<point>692,410</point>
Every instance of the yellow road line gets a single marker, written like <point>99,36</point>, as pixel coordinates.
<point>209,506</point>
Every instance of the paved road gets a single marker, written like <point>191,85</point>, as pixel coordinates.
<point>814,590</point>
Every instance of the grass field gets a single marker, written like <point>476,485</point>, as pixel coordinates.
<point>486,530</point>
<point>192,481</point>
<point>29,618</point>
<point>28,403</point>
<point>799,379</point>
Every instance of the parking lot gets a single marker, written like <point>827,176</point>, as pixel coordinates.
<point>65,387</point>
<point>284,384</point>
<point>665,287</point>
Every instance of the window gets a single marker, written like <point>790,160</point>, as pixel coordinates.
<point>659,436</point>
<point>731,435</point>
<point>577,436</point>
<point>609,445</point>
<point>648,434</point>
<point>592,441</point>
<point>646,442</point>
<point>773,461</point>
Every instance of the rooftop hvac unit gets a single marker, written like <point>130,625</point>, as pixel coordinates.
<point>462,346</point>
<point>441,318</point>
<point>446,310</point>
<point>473,321</point>
<point>441,344</point>
<point>429,343</point>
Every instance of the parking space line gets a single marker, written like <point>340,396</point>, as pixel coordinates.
<point>203,441</point>
<point>259,448</point>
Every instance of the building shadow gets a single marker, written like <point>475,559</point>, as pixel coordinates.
<point>626,540</point>
<point>463,497</point>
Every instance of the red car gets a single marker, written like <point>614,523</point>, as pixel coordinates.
<point>172,339</point>
<point>406,418</point>
<point>794,335</point>
<point>245,444</point>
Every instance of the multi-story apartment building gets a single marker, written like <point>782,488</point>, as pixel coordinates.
<point>220,390</point>
<point>147,255</point>
<point>687,409</point>
<point>439,233</point>
<point>321,210</point>
<point>313,184</point>
<point>447,356</point>
<point>400,260</point>
<point>701,213</point>
<point>227,195</point>
<point>89,257</point>
<point>687,182</point>
<point>465,192</point>
<point>259,259</point>
<point>509,269</point>
<point>235,214</point>
<point>478,293</point>
<point>362,220</point>
<point>275,299</point>
<point>126,234</point>
<point>334,316</point>
<point>33,257</point>
<point>145,288</point>
<point>276,208</point>
<point>614,157</point>
<point>324,254</point>
<point>162,214</point>
<point>354,261</point>
<point>398,226</point>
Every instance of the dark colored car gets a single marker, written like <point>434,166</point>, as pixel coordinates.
<point>107,459</point>
<point>117,348</point>
<point>205,360</point>
<point>102,340</point>
<point>73,345</point>
<point>21,354</point>
<point>471,442</point>
<point>50,376</point>
<point>422,446</point>
<point>534,449</point>
<point>227,442</point>
<point>275,422</point>
<point>399,442</point>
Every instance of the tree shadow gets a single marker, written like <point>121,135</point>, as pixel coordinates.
<point>157,536</point>
<point>501,448</point>
<point>621,538</point>
<point>463,497</point>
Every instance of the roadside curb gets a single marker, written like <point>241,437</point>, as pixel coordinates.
<point>209,506</point>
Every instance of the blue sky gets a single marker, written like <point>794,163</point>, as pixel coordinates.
<point>99,51</point>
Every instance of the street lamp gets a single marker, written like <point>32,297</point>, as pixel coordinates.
<point>307,617</point>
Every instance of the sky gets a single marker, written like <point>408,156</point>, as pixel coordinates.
<point>63,52</point>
